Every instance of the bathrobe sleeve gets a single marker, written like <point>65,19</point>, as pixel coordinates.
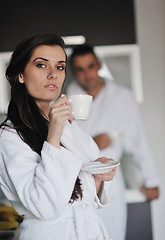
<point>103,199</point>
<point>136,142</point>
<point>89,152</point>
<point>83,146</point>
<point>43,184</point>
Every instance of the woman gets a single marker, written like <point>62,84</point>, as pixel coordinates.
<point>42,150</point>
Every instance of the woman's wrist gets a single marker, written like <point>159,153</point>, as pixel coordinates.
<point>53,142</point>
<point>99,185</point>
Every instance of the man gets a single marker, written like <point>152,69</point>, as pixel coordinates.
<point>113,110</point>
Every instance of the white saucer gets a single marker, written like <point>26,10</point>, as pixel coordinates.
<point>98,167</point>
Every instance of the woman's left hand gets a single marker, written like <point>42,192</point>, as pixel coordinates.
<point>105,176</point>
<point>100,178</point>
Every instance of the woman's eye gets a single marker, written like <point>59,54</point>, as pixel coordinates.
<point>40,65</point>
<point>61,68</point>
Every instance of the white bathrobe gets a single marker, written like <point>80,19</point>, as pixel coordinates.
<point>40,187</point>
<point>115,110</point>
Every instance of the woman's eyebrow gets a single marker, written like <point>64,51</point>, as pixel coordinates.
<point>61,61</point>
<point>45,59</point>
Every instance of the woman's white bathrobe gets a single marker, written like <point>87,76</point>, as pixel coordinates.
<point>40,187</point>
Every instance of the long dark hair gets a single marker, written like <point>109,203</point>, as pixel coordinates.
<point>23,111</point>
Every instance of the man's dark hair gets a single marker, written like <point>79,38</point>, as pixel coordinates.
<point>80,51</point>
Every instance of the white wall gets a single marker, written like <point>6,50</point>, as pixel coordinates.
<point>150,26</point>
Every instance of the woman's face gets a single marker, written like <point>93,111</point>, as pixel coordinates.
<point>45,73</point>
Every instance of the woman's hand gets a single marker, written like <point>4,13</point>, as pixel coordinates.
<point>60,112</point>
<point>100,178</point>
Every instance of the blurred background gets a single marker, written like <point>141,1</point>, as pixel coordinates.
<point>132,31</point>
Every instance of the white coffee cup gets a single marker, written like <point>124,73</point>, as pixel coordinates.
<point>80,106</point>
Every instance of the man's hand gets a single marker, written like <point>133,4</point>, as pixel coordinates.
<point>102,141</point>
<point>150,193</point>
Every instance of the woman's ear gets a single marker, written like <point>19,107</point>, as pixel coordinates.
<point>20,77</point>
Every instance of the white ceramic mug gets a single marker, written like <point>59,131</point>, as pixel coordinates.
<point>80,106</point>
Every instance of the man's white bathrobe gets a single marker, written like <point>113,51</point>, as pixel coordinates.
<point>114,110</point>
<point>40,187</point>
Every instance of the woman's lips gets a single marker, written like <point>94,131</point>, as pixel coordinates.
<point>51,86</point>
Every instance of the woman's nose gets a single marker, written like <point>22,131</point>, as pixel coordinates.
<point>52,74</point>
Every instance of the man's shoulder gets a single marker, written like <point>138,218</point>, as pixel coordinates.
<point>118,90</point>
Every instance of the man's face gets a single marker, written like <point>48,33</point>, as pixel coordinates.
<point>85,69</point>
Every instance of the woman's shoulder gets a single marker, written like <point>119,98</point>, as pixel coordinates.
<point>10,140</point>
<point>7,132</point>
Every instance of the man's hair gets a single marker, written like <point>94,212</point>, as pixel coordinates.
<point>80,51</point>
